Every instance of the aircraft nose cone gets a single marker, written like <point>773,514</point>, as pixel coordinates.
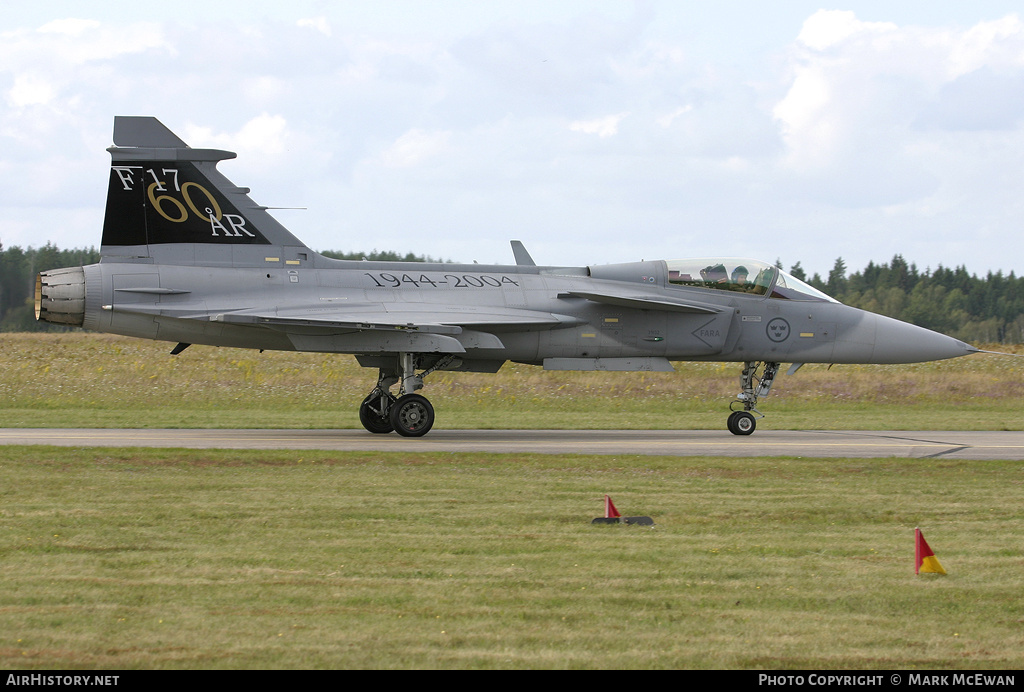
<point>893,341</point>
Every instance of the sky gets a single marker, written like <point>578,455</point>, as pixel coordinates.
<point>595,131</point>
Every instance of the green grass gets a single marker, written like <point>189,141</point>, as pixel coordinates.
<point>226,559</point>
<point>90,380</point>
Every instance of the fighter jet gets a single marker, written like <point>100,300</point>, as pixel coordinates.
<point>189,258</point>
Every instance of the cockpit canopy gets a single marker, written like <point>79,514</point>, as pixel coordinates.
<point>743,276</point>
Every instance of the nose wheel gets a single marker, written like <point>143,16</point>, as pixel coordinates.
<point>741,423</point>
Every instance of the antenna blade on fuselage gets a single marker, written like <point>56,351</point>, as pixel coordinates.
<point>523,258</point>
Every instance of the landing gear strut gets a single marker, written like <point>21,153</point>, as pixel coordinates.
<point>756,381</point>
<point>408,414</point>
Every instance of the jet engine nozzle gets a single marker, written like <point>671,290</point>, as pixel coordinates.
<point>60,296</point>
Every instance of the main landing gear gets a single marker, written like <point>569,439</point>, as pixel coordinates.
<point>408,414</point>
<point>756,380</point>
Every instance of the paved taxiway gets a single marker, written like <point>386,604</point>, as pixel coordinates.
<point>801,443</point>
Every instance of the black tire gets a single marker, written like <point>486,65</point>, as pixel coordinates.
<point>371,419</point>
<point>412,415</point>
<point>741,423</point>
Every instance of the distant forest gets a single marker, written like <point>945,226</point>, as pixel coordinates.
<point>988,309</point>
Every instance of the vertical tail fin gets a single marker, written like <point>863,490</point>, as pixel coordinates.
<point>163,193</point>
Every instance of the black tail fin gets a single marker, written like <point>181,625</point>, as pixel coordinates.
<point>163,193</point>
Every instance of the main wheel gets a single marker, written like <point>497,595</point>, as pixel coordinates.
<point>374,412</point>
<point>412,415</point>
<point>741,423</point>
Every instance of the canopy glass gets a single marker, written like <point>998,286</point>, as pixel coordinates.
<point>743,276</point>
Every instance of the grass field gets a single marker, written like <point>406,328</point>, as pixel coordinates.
<point>174,559</point>
<point>120,559</point>
<point>91,380</point>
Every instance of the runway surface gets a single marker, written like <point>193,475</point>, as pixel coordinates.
<point>800,443</point>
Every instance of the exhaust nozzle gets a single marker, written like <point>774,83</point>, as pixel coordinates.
<point>60,296</point>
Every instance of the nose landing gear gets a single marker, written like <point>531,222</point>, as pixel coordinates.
<point>742,421</point>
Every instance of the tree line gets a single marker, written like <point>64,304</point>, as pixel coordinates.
<point>988,309</point>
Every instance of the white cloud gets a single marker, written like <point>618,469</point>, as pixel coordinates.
<point>267,134</point>
<point>829,28</point>
<point>667,120</point>
<point>317,24</point>
<point>858,89</point>
<point>414,147</point>
<point>31,90</point>
<point>69,27</point>
<point>808,127</point>
<point>998,43</point>
<point>608,126</point>
<point>66,43</point>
